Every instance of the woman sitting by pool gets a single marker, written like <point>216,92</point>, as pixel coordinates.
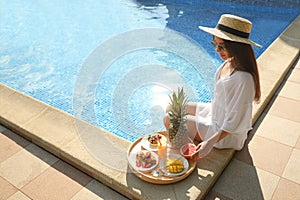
<point>225,122</point>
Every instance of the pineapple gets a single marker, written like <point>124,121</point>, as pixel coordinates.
<point>178,130</point>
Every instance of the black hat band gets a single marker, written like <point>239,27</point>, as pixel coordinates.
<point>233,31</point>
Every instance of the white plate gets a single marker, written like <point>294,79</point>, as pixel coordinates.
<point>132,162</point>
<point>163,166</point>
<point>146,144</point>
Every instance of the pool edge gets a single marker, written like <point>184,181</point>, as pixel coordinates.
<point>57,131</point>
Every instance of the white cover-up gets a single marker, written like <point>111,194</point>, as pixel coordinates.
<point>231,109</point>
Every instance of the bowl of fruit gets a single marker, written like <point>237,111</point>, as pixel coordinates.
<point>174,165</point>
<point>143,160</point>
<point>188,150</point>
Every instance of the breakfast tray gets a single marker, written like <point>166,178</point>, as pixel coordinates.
<point>161,178</point>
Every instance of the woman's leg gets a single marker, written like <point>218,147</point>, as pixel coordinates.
<point>191,121</point>
<point>191,108</point>
<point>167,121</point>
<point>192,128</point>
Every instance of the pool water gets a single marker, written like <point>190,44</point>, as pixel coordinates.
<point>46,46</point>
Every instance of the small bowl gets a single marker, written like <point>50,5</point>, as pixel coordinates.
<point>187,150</point>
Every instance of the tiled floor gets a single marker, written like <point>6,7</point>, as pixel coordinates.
<point>29,172</point>
<point>268,167</point>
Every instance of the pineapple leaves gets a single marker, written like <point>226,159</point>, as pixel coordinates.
<point>177,113</point>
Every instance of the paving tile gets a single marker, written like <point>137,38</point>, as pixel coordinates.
<point>72,172</point>
<point>265,154</point>
<point>291,90</point>
<point>242,181</point>
<point>25,165</point>
<point>292,170</point>
<point>6,189</point>
<point>291,34</point>
<point>287,190</point>
<point>18,196</point>
<point>244,154</point>
<point>268,182</point>
<point>61,181</point>
<point>298,144</point>
<point>44,129</point>
<point>212,195</point>
<point>5,93</point>
<point>18,101</point>
<point>295,75</point>
<point>95,190</point>
<point>286,108</point>
<point>11,143</point>
<point>279,129</point>
<point>280,57</point>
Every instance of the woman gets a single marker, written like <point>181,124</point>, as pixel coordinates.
<point>225,122</point>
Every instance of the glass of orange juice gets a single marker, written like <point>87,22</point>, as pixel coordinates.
<point>162,150</point>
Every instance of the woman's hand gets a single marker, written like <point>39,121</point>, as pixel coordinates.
<point>202,150</point>
<point>206,146</point>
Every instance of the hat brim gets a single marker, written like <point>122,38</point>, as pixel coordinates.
<point>228,36</point>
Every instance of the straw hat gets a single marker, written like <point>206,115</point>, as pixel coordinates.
<point>233,28</point>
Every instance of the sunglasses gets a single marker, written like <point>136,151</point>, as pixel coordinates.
<point>216,46</point>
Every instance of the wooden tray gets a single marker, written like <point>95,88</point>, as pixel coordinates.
<point>160,179</point>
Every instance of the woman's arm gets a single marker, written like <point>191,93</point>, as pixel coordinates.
<point>223,134</point>
<point>206,146</point>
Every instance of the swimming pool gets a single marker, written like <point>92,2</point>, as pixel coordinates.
<point>45,48</point>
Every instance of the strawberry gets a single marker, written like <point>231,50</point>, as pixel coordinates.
<point>144,164</point>
<point>148,154</point>
<point>138,163</point>
<point>148,165</point>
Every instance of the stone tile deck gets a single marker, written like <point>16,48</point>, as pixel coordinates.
<point>267,168</point>
<point>30,172</point>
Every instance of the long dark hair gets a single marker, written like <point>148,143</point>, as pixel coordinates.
<point>244,60</point>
